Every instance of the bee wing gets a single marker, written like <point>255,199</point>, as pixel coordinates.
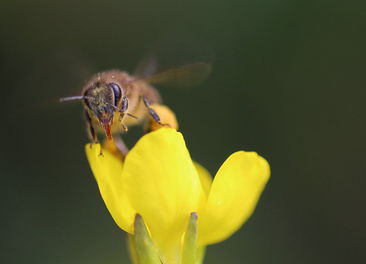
<point>146,67</point>
<point>62,73</point>
<point>183,76</point>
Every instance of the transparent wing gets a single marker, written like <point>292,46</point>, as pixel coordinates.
<point>62,73</point>
<point>146,67</point>
<point>182,76</point>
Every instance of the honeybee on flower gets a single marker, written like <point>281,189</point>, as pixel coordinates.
<point>114,100</point>
<point>169,205</point>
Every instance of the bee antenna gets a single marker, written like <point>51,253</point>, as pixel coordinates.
<point>71,98</point>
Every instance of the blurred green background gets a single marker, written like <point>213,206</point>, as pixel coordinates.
<point>288,81</point>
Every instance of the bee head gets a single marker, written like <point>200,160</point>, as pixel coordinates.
<point>102,99</point>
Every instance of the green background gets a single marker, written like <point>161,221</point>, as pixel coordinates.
<point>288,81</point>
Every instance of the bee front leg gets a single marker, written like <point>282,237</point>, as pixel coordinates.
<point>152,112</point>
<point>124,105</point>
<point>122,112</point>
<point>90,128</point>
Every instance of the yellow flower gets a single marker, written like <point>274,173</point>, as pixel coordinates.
<point>159,181</point>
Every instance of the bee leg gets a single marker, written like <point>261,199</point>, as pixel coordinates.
<point>121,146</point>
<point>122,112</point>
<point>124,106</point>
<point>152,112</point>
<point>133,116</point>
<point>90,128</point>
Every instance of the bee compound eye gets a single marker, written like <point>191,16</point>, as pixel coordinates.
<point>116,91</point>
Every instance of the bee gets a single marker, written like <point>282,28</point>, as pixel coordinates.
<point>114,100</point>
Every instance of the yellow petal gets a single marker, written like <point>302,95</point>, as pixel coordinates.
<point>107,170</point>
<point>233,196</point>
<point>205,177</point>
<point>163,186</point>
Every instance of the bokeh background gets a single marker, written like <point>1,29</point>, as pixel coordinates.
<point>288,81</point>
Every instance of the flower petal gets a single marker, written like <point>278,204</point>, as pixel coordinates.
<point>163,186</point>
<point>107,170</point>
<point>233,196</point>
